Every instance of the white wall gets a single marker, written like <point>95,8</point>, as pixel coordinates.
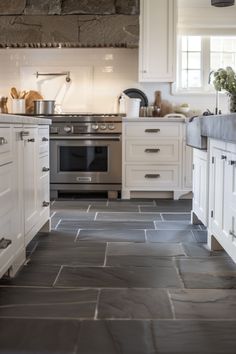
<point>98,77</point>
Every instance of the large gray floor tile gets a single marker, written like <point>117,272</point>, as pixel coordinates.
<point>175,225</point>
<point>74,215</point>
<point>129,216</point>
<point>34,275</point>
<point>170,236</point>
<point>177,217</point>
<point>95,225</point>
<point>38,336</point>
<point>200,236</point>
<point>69,253</point>
<point>204,304</point>
<point>194,337</point>
<point>200,250</point>
<point>134,201</point>
<point>116,337</point>
<point>47,303</point>
<point>115,208</point>
<point>169,206</point>
<point>118,277</point>
<point>134,304</point>
<point>209,273</point>
<point>57,236</point>
<point>139,261</point>
<point>112,235</point>
<point>145,250</point>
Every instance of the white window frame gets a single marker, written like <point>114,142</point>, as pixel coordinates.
<point>205,70</point>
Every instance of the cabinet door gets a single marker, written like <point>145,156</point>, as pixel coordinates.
<point>200,205</point>
<point>217,182</point>
<point>157,40</point>
<point>18,209</point>
<point>229,207</point>
<point>31,178</point>
<point>188,163</point>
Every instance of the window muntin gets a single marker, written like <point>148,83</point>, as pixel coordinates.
<point>198,56</point>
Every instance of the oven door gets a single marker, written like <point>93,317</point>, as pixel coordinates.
<point>83,159</point>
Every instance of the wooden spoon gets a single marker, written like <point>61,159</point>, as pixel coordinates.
<point>22,94</point>
<point>14,93</point>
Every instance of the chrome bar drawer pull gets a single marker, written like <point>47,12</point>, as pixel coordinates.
<point>46,204</point>
<point>3,141</point>
<point>232,234</point>
<point>152,130</point>
<point>152,176</point>
<point>231,162</point>
<point>45,139</point>
<point>45,169</point>
<point>4,243</point>
<point>152,150</point>
<point>31,140</point>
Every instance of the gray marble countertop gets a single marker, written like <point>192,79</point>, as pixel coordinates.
<point>17,119</point>
<point>154,119</point>
<point>220,127</point>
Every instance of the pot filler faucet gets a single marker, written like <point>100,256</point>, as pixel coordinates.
<point>217,111</point>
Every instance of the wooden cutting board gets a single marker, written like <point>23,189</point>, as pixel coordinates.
<point>30,97</point>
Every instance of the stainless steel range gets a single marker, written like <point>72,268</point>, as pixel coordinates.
<point>85,153</point>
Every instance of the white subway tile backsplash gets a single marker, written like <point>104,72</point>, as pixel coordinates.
<point>98,78</point>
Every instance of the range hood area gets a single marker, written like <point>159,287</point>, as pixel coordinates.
<point>69,24</point>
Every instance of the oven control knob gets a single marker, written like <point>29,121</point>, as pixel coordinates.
<point>95,126</point>
<point>103,126</point>
<point>111,127</point>
<point>68,129</point>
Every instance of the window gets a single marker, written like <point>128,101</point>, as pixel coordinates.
<point>198,56</point>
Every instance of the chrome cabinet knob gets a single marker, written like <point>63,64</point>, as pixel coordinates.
<point>45,169</point>
<point>45,204</point>
<point>95,126</point>
<point>111,127</point>
<point>103,126</point>
<point>45,139</point>
<point>68,129</point>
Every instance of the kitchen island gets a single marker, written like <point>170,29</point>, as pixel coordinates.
<point>155,158</point>
<point>214,178</point>
<point>24,186</point>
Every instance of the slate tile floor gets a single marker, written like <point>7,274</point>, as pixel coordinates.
<point>120,277</point>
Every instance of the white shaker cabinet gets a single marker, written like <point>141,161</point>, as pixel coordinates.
<point>154,157</point>
<point>222,197</point>
<point>30,164</point>
<point>157,47</point>
<point>200,185</point>
<point>24,190</point>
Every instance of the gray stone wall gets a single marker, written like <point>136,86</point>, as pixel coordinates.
<point>69,23</point>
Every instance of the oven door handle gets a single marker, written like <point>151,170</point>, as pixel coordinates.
<point>81,137</point>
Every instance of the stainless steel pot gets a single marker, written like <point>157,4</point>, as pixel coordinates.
<point>44,107</point>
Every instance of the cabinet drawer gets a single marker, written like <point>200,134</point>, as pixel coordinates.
<point>44,166</point>
<point>5,145</point>
<point>43,140</point>
<point>153,130</point>
<point>152,150</point>
<point>157,176</point>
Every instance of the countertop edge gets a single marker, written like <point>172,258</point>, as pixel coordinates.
<point>17,119</point>
<point>153,119</point>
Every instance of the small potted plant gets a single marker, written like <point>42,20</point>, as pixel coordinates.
<point>225,79</point>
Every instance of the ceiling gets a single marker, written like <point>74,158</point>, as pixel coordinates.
<point>194,3</point>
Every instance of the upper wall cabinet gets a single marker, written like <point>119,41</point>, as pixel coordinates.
<point>157,49</point>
